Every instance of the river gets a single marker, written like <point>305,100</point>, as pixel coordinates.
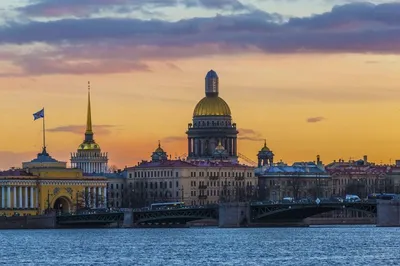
<point>324,245</point>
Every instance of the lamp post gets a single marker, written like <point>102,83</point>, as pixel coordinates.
<point>48,200</point>
<point>77,196</point>
<point>182,194</point>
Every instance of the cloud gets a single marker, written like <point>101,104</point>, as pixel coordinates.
<point>315,119</point>
<point>112,45</point>
<point>84,8</point>
<point>80,129</point>
<point>173,67</point>
<point>171,139</point>
<point>249,134</point>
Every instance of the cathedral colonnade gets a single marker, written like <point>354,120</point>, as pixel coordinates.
<point>205,146</point>
<point>19,197</point>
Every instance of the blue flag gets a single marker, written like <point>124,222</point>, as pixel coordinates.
<point>38,115</point>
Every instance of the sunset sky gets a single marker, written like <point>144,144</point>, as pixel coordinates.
<point>310,76</point>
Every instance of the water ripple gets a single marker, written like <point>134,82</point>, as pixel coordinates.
<point>319,246</point>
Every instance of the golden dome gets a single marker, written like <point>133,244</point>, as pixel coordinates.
<point>212,106</point>
<point>89,146</point>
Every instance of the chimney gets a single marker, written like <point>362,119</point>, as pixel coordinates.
<point>365,159</point>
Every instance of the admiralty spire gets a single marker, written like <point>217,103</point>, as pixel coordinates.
<point>89,157</point>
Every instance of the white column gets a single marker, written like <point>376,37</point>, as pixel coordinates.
<point>8,197</point>
<point>31,197</point>
<point>105,197</point>
<point>101,202</point>
<point>14,197</point>
<point>20,197</point>
<point>3,203</point>
<point>26,198</point>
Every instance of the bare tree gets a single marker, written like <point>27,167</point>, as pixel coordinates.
<point>113,169</point>
<point>294,185</point>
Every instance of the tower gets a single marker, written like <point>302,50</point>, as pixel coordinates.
<point>212,135</point>
<point>265,156</point>
<point>89,157</point>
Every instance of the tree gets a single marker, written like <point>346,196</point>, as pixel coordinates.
<point>356,187</point>
<point>294,185</point>
<point>113,169</point>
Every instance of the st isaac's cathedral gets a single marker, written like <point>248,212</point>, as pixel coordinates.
<point>210,174</point>
<point>212,135</point>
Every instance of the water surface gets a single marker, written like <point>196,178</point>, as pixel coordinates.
<point>333,245</point>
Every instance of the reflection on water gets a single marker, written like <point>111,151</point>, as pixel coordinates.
<point>333,245</point>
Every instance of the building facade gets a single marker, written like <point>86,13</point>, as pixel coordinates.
<point>45,184</point>
<point>89,156</point>
<point>302,180</point>
<point>212,135</point>
<point>191,182</point>
<point>359,177</point>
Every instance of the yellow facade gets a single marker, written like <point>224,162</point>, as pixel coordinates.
<point>46,185</point>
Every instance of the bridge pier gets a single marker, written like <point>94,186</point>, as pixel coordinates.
<point>388,213</point>
<point>234,214</point>
<point>128,218</point>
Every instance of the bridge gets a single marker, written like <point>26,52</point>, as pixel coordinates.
<point>174,216</point>
<point>249,214</point>
<point>298,212</point>
<point>96,219</point>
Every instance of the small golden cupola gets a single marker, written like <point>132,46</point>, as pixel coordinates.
<point>159,154</point>
<point>265,156</point>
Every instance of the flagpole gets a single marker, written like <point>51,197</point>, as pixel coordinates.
<point>44,132</point>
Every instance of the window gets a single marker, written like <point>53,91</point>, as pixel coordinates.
<point>122,186</point>
<point>170,184</point>
<point>130,175</point>
<point>116,186</point>
<point>177,183</point>
<point>112,186</point>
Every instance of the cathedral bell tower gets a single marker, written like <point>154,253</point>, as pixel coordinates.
<point>89,157</point>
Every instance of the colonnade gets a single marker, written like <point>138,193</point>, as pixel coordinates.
<point>96,197</point>
<point>19,197</point>
<point>206,146</point>
<point>91,167</point>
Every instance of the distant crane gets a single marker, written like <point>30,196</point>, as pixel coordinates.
<point>247,160</point>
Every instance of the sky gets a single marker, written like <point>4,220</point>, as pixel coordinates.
<point>312,77</point>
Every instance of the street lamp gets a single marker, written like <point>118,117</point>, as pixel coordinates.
<point>48,200</point>
<point>182,194</point>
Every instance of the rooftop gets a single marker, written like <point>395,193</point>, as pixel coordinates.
<point>14,172</point>
<point>182,164</point>
<point>301,168</point>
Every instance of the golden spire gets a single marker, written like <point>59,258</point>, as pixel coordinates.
<point>89,114</point>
